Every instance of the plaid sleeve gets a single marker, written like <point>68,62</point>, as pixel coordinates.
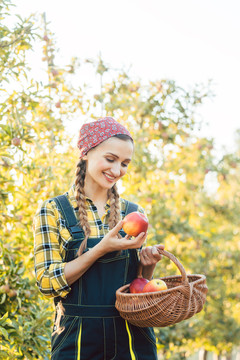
<point>49,265</point>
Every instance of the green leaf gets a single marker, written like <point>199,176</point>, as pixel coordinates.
<point>4,318</point>
<point>4,332</point>
<point>4,296</point>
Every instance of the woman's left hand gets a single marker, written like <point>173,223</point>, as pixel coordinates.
<point>150,255</point>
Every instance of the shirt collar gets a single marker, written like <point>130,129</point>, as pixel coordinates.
<point>72,198</point>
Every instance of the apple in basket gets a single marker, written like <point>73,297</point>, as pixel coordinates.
<point>135,223</point>
<point>155,285</point>
<point>137,285</point>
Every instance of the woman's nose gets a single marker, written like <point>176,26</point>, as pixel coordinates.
<point>116,169</point>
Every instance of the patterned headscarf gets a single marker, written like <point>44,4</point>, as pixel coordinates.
<point>93,133</point>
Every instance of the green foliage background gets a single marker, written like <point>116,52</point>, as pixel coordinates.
<point>168,177</point>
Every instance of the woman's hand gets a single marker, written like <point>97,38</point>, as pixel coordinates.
<point>149,256</point>
<point>74,269</point>
<point>111,241</point>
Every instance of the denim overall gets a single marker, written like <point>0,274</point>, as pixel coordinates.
<point>92,327</point>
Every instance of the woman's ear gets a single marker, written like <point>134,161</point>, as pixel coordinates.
<point>84,157</point>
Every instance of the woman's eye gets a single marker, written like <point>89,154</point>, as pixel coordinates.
<point>111,161</point>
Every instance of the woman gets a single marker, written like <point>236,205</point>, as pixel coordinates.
<point>82,255</point>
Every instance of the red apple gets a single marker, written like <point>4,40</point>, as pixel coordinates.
<point>137,285</point>
<point>135,223</point>
<point>22,310</point>
<point>155,285</point>
<point>233,164</point>
<point>16,141</point>
<point>5,288</point>
<point>54,72</point>
<point>12,293</point>
<point>164,135</point>
<point>27,294</point>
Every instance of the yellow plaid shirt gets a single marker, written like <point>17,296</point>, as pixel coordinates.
<point>51,237</point>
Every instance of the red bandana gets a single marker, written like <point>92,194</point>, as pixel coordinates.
<point>92,134</point>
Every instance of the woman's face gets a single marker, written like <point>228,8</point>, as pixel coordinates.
<point>108,162</point>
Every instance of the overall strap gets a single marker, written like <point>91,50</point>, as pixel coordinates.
<point>130,207</point>
<point>70,218</point>
<point>68,213</point>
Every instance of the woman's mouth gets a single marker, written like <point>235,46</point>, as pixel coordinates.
<point>109,177</point>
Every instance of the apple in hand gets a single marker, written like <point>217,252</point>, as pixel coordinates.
<point>135,223</point>
<point>155,285</point>
<point>137,285</point>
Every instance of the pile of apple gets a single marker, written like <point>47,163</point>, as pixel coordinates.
<point>133,224</point>
<point>142,285</point>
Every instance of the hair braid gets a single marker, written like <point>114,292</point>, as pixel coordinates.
<point>80,197</point>
<point>114,217</point>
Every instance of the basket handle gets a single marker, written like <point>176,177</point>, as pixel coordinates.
<point>174,259</point>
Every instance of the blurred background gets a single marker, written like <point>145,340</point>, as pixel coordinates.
<point>169,71</point>
<point>188,41</point>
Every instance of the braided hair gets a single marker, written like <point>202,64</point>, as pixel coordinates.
<point>113,197</point>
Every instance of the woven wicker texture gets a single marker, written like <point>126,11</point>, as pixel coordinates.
<point>185,296</point>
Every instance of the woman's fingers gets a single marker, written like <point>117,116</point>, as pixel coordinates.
<point>160,246</point>
<point>150,255</point>
<point>134,243</point>
<point>155,253</point>
<point>144,258</point>
<point>114,231</point>
<point>140,239</point>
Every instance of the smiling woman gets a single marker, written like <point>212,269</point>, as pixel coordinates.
<point>82,254</point>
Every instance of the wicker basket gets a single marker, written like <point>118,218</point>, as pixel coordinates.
<point>185,296</point>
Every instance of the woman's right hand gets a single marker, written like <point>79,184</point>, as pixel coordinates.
<point>74,269</point>
<point>111,241</point>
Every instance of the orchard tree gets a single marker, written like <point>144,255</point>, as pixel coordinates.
<point>36,162</point>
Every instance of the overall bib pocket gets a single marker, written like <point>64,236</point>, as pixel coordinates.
<point>103,278</point>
